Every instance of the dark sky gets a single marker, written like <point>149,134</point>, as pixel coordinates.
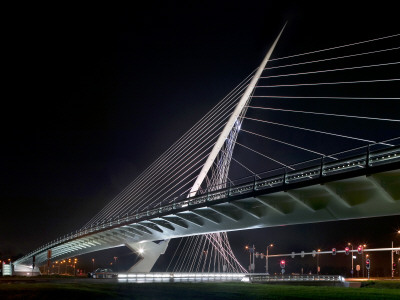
<point>94,94</point>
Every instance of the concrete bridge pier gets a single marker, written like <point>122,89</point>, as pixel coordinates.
<point>149,252</point>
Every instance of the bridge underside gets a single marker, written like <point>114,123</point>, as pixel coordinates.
<point>350,198</point>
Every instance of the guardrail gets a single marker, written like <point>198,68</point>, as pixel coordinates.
<point>258,182</point>
<point>258,278</point>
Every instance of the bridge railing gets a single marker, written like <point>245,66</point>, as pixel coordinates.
<point>354,159</point>
<point>280,278</point>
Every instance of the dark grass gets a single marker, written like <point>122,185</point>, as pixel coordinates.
<point>99,290</point>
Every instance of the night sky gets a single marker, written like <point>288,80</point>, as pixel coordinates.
<point>93,95</point>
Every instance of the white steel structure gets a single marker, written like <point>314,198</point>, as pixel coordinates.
<point>187,191</point>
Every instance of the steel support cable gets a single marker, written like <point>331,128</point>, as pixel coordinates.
<point>243,166</point>
<point>169,175</point>
<point>325,114</point>
<point>213,240</point>
<point>224,157</point>
<point>184,253</point>
<point>111,207</point>
<point>212,252</point>
<point>169,198</point>
<point>195,170</point>
<point>331,70</point>
<point>196,255</point>
<point>171,148</point>
<point>337,47</point>
<point>173,256</point>
<point>225,259</point>
<point>226,241</point>
<point>328,83</point>
<point>205,256</point>
<point>178,263</point>
<point>210,182</point>
<point>167,179</point>
<point>155,181</point>
<point>193,252</point>
<point>288,144</point>
<point>332,58</point>
<point>189,254</point>
<point>385,142</point>
<point>159,169</point>
<point>334,98</point>
<point>129,191</point>
<point>200,258</point>
<point>124,200</point>
<point>282,164</point>
<point>215,246</point>
<point>312,130</point>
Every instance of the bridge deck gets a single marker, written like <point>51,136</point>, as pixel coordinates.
<point>366,185</point>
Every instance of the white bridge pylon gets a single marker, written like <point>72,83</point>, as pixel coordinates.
<point>218,178</point>
<point>232,120</point>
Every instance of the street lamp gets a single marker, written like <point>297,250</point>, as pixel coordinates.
<point>352,259</point>
<point>93,263</point>
<point>318,268</point>
<point>75,262</point>
<point>362,259</point>
<point>266,258</point>
<point>252,265</point>
<point>115,260</point>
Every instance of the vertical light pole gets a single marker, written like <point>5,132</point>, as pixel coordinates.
<point>352,267</point>
<point>248,248</point>
<point>266,258</point>
<point>93,263</point>
<point>254,263</point>
<point>391,265</point>
<point>115,260</point>
<point>318,268</point>
<point>75,262</point>
<point>362,259</point>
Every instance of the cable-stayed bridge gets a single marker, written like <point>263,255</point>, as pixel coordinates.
<point>306,138</point>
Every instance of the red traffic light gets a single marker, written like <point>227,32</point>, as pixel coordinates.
<point>283,263</point>
<point>367,264</point>
<point>347,250</point>
<point>394,266</point>
<point>360,249</point>
<point>333,251</point>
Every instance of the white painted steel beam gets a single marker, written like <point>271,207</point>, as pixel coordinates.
<point>231,122</point>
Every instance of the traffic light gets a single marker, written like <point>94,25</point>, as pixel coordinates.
<point>333,251</point>
<point>283,263</point>
<point>368,264</point>
<point>360,249</point>
<point>347,250</point>
<point>394,266</point>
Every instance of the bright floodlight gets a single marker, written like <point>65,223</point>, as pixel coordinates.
<point>141,251</point>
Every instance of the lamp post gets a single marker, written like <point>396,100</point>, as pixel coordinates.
<point>318,268</point>
<point>352,267</point>
<point>252,265</point>
<point>93,263</point>
<point>115,260</point>
<point>392,262</point>
<point>266,258</point>
<point>362,258</point>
